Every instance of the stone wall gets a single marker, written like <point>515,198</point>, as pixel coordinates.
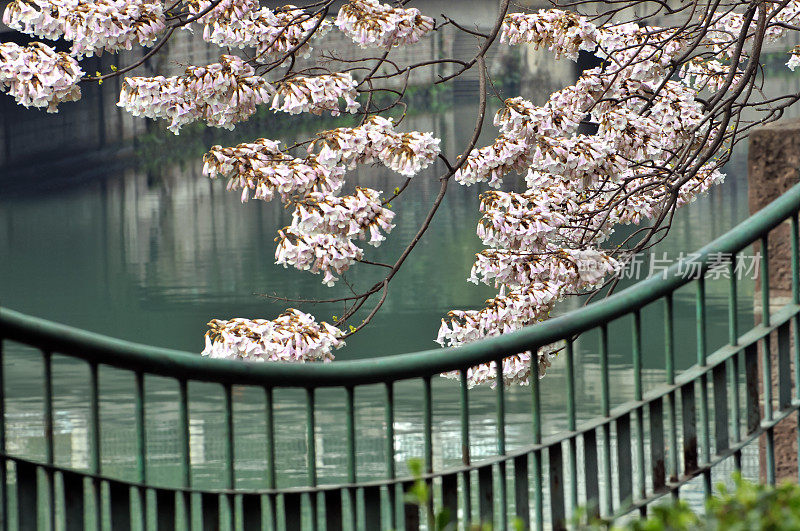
<point>773,164</point>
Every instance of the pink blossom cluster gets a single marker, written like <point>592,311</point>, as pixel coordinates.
<point>222,94</point>
<point>794,58</point>
<point>559,116</point>
<point>544,243</point>
<point>577,157</point>
<point>320,238</point>
<point>492,163</point>
<point>324,225</point>
<point>516,369</point>
<point>642,141</point>
<point>375,139</point>
<point>543,138</point>
<point>92,26</point>
<point>316,94</point>
<point>224,10</point>
<point>526,234</point>
<point>725,28</point>
<point>571,269</point>
<point>38,76</point>
<point>262,169</point>
<point>243,24</point>
<point>530,286</point>
<point>314,253</point>
<point>510,310</point>
<point>641,52</point>
<point>708,176</point>
<point>722,37</point>
<point>353,216</point>
<point>293,336</point>
<point>564,33</point>
<point>523,220</point>
<point>374,25</point>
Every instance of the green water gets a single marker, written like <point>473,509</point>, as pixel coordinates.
<point>149,250</point>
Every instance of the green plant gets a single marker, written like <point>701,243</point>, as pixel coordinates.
<point>752,506</point>
<point>420,494</point>
<point>747,507</point>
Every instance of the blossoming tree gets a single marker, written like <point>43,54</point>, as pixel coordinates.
<point>629,142</point>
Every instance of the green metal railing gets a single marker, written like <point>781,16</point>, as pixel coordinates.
<point>614,463</point>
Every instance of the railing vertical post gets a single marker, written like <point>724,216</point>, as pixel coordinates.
<point>700,307</point>
<point>427,428</point>
<point>391,471</point>
<point>571,421</point>
<point>351,453</point>
<point>536,411</point>
<point>141,446</point>
<point>705,432</point>
<point>501,441</point>
<point>766,362</point>
<point>96,461</point>
<point>269,429</point>
<point>733,302</point>
<point>311,452</point>
<point>766,358</point>
<point>669,338</point>
<point>465,455</point>
<point>637,355</point>
<point>764,272</point>
<point>521,490</point>
<point>230,457</point>
<point>4,464</point>
<point>641,491</point>
<point>500,407</point>
<point>795,260</point>
<point>733,362</point>
<point>669,351</point>
<point>427,416</point>
<point>186,458</point>
<point>605,399</point>
<point>47,360</point>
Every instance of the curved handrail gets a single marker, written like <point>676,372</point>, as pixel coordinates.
<point>168,362</point>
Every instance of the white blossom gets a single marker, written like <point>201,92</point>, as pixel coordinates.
<point>794,58</point>
<point>293,336</point>
<point>543,242</point>
<point>406,153</point>
<point>374,25</point>
<point>38,76</point>
<point>516,369</point>
<point>316,94</point>
<point>563,32</point>
<point>320,238</point>
<point>261,169</point>
<point>273,33</point>
<point>91,25</point>
<point>222,94</point>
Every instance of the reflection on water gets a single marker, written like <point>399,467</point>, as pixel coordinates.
<point>149,250</point>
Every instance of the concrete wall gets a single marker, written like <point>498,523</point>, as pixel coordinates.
<point>96,122</point>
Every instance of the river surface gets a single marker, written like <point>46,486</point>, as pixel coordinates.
<point>142,247</point>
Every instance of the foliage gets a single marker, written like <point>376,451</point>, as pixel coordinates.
<point>420,494</point>
<point>748,506</point>
<point>753,506</point>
